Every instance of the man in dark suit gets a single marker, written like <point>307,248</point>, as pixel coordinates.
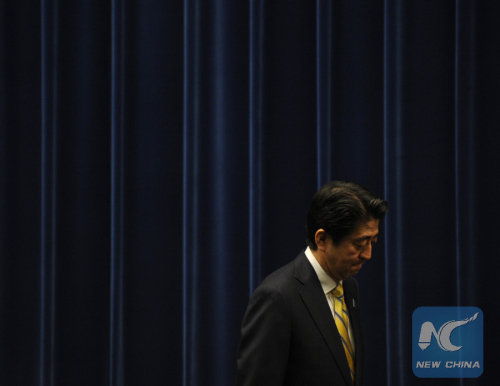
<point>302,323</point>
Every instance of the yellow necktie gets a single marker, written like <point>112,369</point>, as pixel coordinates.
<point>342,322</point>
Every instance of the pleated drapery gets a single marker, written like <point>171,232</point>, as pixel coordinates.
<point>157,160</point>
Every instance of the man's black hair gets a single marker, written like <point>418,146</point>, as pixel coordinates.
<point>339,207</point>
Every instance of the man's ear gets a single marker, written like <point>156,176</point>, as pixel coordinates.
<point>320,238</point>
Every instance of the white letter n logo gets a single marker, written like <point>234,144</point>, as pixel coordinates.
<point>443,335</point>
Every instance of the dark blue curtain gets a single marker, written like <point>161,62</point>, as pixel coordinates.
<point>157,160</point>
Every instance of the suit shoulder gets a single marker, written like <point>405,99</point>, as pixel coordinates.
<point>284,279</point>
<point>281,277</point>
<point>288,279</point>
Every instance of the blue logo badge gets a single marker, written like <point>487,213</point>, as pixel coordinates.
<point>447,342</point>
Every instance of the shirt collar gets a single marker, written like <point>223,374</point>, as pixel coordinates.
<point>327,283</point>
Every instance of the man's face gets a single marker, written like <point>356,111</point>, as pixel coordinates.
<point>345,259</point>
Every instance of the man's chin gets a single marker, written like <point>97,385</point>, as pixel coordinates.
<point>356,268</point>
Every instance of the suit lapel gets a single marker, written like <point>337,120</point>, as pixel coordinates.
<point>315,300</point>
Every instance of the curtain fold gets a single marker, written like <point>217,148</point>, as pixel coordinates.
<point>192,63</point>
<point>393,188</point>
<point>157,161</point>
<point>216,184</point>
<point>465,97</point>
<point>255,122</point>
<point>48,191</point>
<point>117,194</point>
<point>324,70</point>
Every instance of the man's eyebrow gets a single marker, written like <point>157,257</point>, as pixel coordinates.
<point>363,238</point>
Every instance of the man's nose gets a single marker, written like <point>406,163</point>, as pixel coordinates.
<point>366,254</point>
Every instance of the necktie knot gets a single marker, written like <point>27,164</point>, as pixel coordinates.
<point>338,291</point>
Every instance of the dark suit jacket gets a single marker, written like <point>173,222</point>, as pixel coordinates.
<point>289,336</point>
